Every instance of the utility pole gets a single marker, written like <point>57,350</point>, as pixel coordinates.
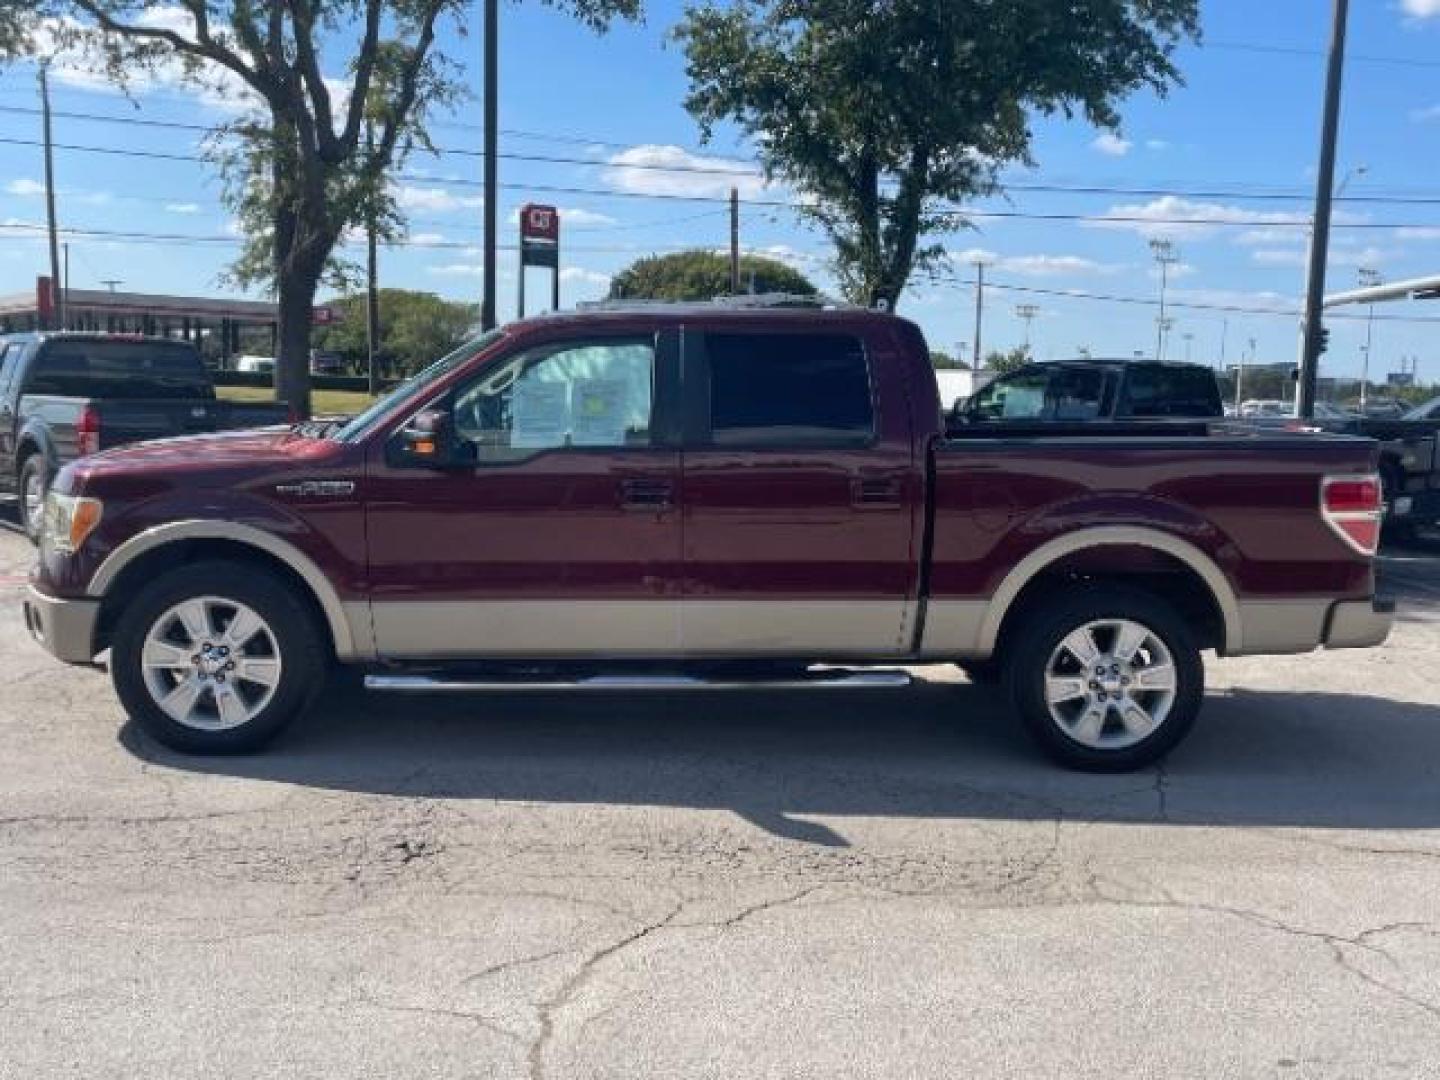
<point>372,285</point>
<point>65,281</point>
<point>979,310</point>
<point>1188,337</point>
<point>1027,312</point>
<point>1311,343</point>
<point>57,293</point>
<point>111,282</point>
<point>1224,333</point>
<point>1164,252</point>
<point>1240,374</point>
<point>492,160</point>
<point>734,241</point>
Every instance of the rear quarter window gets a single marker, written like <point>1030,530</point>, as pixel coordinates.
<point>118,369</point>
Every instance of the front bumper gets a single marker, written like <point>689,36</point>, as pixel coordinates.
<point>1359,624</point>
<point>65,627</point>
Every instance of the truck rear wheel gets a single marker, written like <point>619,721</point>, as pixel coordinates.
<point>216,658</point>
<point>1106,679</point>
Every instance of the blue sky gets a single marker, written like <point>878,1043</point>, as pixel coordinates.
<point>1245,124</point>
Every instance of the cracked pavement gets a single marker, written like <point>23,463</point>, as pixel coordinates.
<point>738,885</point>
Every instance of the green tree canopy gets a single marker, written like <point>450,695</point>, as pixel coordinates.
<point>704,275</point>
<point>416,328</point>
<point>884,113</point>
<point>1002,363</point>
<point>341,92</point>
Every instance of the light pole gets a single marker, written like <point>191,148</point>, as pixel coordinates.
<point>1188,337</point>
<point>492,159</point>
<point>1027,312</point>
<point>979,310</point>
<point>1164,252</point>
<point>1369,278</point>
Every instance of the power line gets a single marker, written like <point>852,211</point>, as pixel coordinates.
<point>751,172</point>
<point>959,212</point>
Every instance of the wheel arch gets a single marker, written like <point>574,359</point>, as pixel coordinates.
<point>138,558</point>
<point>1009,600</point>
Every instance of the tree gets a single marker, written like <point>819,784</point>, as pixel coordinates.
<point>879,112</point>
<point>416,328</point>
<point>1002,363</point>
<point>703,275</point>
<point>302,168</point>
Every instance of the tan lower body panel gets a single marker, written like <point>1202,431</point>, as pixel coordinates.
<point>1272,627</point>
<point>661,628</point>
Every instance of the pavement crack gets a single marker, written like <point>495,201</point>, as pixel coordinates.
<point>573,985</point>
<point>507,965</point>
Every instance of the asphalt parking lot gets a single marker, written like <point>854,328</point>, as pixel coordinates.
<point>743,885</point>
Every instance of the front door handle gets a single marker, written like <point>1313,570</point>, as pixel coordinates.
<point>646,493</point>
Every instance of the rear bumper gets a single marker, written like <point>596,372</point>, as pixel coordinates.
<point>1359,624</point>
<point>66,628</point>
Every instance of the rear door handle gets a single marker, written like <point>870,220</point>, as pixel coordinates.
<point>646,493</point>
<point>877,490</point>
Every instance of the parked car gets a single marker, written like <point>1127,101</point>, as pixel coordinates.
<point>1074,392</point>
<point>1429,410</point>
<point>255,365</point>
<point>65,395</point>
<point>662,496</point>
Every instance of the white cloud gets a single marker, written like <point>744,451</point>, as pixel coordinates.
<point>182,208</point>
<point>1173,216</point>
<point>457,270</point>
<point>697,175</point>
<point>435,200</point>
<point>579,275</point>
<point>26,188</point>
<point>1107,142</point>
<point>1418,232</point>
<point>1425,115</point>
<point>427,238</point>
<point>1270,301</point>
<point>1338,256</point>
<point>1255,237</point>
<point>1421,9</point>
<point>1034,265</point>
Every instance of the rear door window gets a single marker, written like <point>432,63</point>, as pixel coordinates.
<point>1156,391</point>
<point>788,390</point>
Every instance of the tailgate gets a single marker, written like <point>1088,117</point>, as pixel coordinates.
<point>124,422</point>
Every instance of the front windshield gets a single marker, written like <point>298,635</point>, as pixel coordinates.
<point>1429,411</point>
<point>414,386</point>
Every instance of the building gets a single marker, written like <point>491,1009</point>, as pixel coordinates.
<point>215,326</point>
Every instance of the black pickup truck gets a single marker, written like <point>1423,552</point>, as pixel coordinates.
<point>66,395</point>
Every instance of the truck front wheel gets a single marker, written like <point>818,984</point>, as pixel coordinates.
<point>31,484</point>
<point>216,658</point>
<point>1106,679</point>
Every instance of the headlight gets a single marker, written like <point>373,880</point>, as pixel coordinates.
<point>69,519</point>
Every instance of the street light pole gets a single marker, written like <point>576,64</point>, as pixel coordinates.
<point>1027,312</point>
<point>1369,278</point>
<point>492,157</point>
<point>979,310</point>
<point>1164,251</point>
<point>1324,191</point>
<point>57,291</point>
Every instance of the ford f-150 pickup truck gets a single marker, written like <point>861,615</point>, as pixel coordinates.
<point>677,495</point>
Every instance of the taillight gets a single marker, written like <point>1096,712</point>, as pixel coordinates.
<point>87,431</point>
<point>1353,506</point>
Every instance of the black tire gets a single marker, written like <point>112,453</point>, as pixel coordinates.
<point>33,468</point>
<point>297,642</point>
<point>1030,651</point>
<point>983,672</point>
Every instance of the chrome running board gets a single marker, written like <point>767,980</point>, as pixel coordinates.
<point>821,680</point>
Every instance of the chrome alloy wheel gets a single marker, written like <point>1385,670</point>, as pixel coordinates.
<point>1110,684</point>
<point>211,663</point>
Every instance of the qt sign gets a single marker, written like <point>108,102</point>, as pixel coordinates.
<point>539,223</point>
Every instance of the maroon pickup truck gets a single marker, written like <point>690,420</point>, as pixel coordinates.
<point>680,496</point>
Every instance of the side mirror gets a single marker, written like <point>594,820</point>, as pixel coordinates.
<point>426,441</point>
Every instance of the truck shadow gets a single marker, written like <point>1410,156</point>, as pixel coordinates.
<point>942,750</point>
